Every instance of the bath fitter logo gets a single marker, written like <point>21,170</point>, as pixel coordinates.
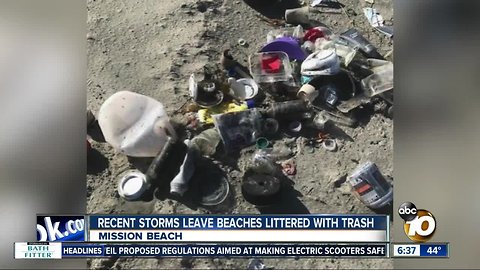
<point>38,250</point>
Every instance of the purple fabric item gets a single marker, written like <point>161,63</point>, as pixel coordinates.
<point>288,45</point>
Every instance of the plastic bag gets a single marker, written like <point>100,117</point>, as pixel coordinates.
<point>381,80</point>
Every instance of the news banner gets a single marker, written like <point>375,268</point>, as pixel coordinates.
<point>315,235</point>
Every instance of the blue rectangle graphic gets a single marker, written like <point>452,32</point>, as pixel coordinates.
<point>56,228</point>
<point>433,250</point>
<point>223,250</point>
<point>240,222</point>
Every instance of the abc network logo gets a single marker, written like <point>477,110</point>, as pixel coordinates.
<point>419,224</point>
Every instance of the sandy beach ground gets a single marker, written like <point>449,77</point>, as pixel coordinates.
<point>151,47</point>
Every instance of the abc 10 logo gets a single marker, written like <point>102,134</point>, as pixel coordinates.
<point>419,224</point>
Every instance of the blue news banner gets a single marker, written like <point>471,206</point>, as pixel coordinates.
<point>239,228</point>
<point>76,250</point>
<point>313,235</point>
<point>245,222</point>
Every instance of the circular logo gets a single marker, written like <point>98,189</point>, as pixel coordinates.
<point>419,224</point>
<point>407,211</point>
<point>422,227</point>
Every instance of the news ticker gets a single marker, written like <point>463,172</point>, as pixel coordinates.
<point>65,250</point>
<point>315,228</point>
<point>61,250</point>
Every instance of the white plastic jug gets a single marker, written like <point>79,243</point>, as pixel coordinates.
<point>134,124</point>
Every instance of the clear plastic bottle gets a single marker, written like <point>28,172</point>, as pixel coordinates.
<point>323,119</point>
<point>263,164</point>
<point>206,142</point>
<point>298,32</point>
<point>274,154</point>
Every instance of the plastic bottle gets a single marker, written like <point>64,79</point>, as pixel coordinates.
<point>206,142</point>
<point>158,163</point>
<point>263,164</point>
<point>298,32</point>
<point>134,124</point>
<point>273,154</point>
<point>324,118</point>
<point>287,107</point>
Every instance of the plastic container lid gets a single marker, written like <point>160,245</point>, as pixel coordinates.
<point>132,185</point>
<point>250,103</point>
<point>288,45</point>
<point>330,144</point>
<point>262,143</point>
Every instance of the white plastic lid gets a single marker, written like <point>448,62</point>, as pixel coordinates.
<point>132,185</point>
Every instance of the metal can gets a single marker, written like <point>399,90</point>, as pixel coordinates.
<point>370,186</point>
